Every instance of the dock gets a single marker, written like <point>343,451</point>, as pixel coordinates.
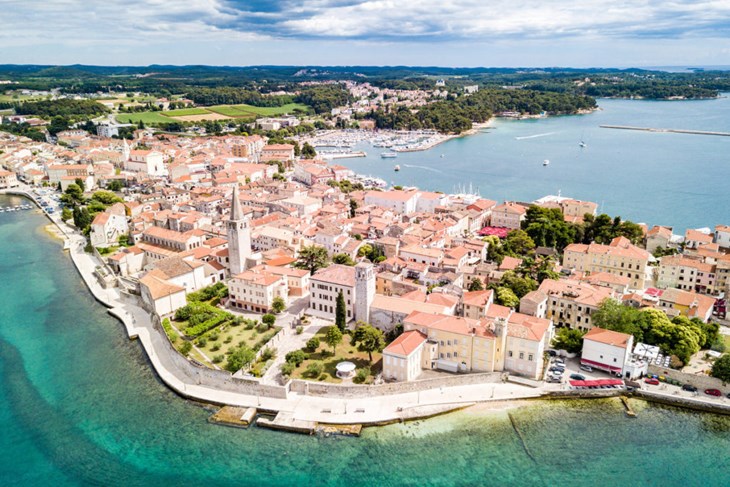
<point>629,412</point>
<point>285,421</point>
<point>239,417</point>
<point>663,130</point>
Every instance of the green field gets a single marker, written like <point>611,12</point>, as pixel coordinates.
<point>186,111</point>
<point>146,117</point>
<point>249,110</point>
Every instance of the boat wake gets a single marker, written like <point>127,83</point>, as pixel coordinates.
<point>534,136</point>
<point>423,167</point>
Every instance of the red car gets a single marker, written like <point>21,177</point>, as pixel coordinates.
<point>654,382</point>
<point>713,392</point>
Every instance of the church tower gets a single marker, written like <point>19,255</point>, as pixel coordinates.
<point>364,290</point>
<point>125,151</point>
<point>239,237</point>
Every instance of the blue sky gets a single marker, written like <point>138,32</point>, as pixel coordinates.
<point>367,32</point>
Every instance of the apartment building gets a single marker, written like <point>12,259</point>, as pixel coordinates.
<point>620,258</point>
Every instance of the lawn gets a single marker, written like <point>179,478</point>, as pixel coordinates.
<point>240,111</point>
<point>228,337</point>
<point>232,111</point>
<point>344,351</point>
<point>186,111</point>
<point>273,111</point>
<point>146,117</point>
<point>727,342</point>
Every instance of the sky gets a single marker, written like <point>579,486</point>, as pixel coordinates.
<point>510,33</point>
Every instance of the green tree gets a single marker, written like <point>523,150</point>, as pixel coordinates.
<point>287,369</point>
<point>721,368</point>
<point>278,304</point>
<point>185,348</point>
<point>308,152</point>
<point>368,339</point>
<point>73,196</point>
<point>296,357</point>
<point>240,357</point>
<point>312,258</point>
<point>82,218</point>
<point>612,315</point>
<point>114,185</point>
<point>66,214</point>
<point>475,284</point>
<point>315,369</point>
<point>343,259</point>
<point>518,243</point>
<point>313,344</point>
<point>569,340</point>
<point>340,312</point>
<point>268,319</point>
<point>519,285</point>
<point>506,297</point>
<point>353,208</point>
<point>80,183</point>
<point>680,340</point>
<point>106,197</point>
<point>333,338</point>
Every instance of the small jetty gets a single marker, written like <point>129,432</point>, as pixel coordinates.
<point>285,421</point>
<point>234,416</point>
<point>629,412</point>
<point>674,131</point>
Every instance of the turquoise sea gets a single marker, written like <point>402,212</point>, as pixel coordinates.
<point>81,406</point>
<point>670,179</point>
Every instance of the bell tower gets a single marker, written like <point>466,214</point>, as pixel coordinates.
<point>239,237</point>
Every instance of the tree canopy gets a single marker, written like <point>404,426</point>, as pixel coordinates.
<point>312,258</point>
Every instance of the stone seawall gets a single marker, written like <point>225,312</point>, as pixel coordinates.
<point>684,402</point>
<point>358,391</point>
<point>700,381</point>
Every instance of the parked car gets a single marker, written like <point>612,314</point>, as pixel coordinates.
<point>713,392</point>
<point>652,381</point>
<point>554,380</point>
<point>552,353</point>
<point>556,368</point>
<point>689,387</point>
<point>587,368</point>
<point>577,377</point>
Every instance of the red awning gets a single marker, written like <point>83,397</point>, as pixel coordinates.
<point>596,383</point>
<point>599,365</point>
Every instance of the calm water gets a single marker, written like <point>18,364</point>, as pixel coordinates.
<point>81,406</point>
<point>656,178</point>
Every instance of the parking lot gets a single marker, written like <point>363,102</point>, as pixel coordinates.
<point>572,366</point>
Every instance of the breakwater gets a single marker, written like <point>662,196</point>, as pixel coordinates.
<point>664,130</point>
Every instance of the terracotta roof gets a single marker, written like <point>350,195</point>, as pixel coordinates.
<point>608,337</point>
<point>336,274</point>
<point>406,343</point>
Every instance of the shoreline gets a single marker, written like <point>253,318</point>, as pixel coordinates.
<point>322,408</point>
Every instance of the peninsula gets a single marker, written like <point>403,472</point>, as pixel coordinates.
<point>280,283</point>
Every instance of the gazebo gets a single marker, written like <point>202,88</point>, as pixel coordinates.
<point>345,370</point>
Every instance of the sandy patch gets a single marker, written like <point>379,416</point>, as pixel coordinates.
<point>198,118</point>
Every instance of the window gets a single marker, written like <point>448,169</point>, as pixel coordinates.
<point>529,357</point>
<point>448,342</point>
<point>509,353</point>
<point>456,354</point>
<point>522,355</point>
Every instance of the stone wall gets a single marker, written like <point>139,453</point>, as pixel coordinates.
<point>218,379</point>
<point>356,391</point>
<point>700,381</point>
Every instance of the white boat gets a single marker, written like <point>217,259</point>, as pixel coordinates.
<point>582,144</point>
<point>545,162</point>
<point>388,155</point>
<point>396,168</point>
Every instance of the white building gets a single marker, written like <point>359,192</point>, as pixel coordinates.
<point>607,350</point>
<point>107,227</point>
<point>326,284</point>
<point>403,358</point>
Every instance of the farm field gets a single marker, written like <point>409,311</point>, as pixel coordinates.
<point>185,111</point>
<point>217,112</point>
<point>146,117</point>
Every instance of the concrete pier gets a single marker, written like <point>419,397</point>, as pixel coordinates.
<point>663,130</point>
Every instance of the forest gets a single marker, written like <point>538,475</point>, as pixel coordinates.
<point>455,115</point>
